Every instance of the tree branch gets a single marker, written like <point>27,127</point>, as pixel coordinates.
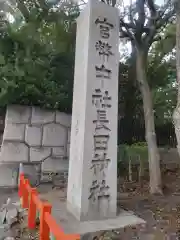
<point>23,9</point>
<point>143,30</point>
<point>156,25</point>
<point>130,15</point>
<point>141,12</point>
<point>152,8</point>
<point>43,4</point>
<point>153,17</point>
<point>148,38</point>
<point>163,21</point>
<point>164,9</point>
<point>127,31</point>
<point>113,3</point>
<point>124,34</point>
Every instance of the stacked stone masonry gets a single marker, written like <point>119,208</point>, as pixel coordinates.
<point>40,139</point>
<point>36,136</point>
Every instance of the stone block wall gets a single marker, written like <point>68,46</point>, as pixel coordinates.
<point>32,136</point>
<point>40,139</point>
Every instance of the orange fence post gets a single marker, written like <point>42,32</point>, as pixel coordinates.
<point>44,228</point>
<point>57,231</point>
<point>31,201</point>
<point>25,203</point>
<point>32,209</point>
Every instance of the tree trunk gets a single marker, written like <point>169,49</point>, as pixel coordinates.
<point>176,114</point>
<point>23,9</point>
<point>153,153</point>
<point>130,169</point>
<point>141,170</point>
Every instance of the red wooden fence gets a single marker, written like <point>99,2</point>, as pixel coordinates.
<point>30,200</point>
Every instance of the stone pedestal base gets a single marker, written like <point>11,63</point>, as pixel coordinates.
<point>71,225</point>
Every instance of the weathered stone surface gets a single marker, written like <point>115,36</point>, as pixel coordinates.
<point>63,118</point>
<point>8,175</point>
<point>14,152</point>
<point>14,132</point>
<point>1,138</point>
<point>58,152</point>
<point>92,186</point>
<point>54,165</point>
<point>3,216</point>
<point>59,180</point>
<point>4,232</point>
<point>40,116</point>
<point>68,150</point>
<point>9,238</point>
<point>11,216</point>
<point>69,135</point>
<point>54,135</point>
<point>32,173</point>
<point>39,154</point>
<point>33,135</point>
<point>18,114</point>
<point>33,141</point>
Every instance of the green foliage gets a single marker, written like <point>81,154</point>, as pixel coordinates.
<point>162,75</point>
<point>135,152</point>
<point>37,61</point>
<point>166,43</point>
<point>122,152</point>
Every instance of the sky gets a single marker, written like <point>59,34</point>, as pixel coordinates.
<point>160,1</point>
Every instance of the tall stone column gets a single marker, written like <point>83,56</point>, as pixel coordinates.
<point>92,183</point>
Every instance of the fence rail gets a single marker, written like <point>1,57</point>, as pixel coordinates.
<point>31,201</point>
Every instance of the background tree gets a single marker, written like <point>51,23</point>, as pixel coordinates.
<point>161,74</point>
<point>176,115</point>
<point>141,24</point>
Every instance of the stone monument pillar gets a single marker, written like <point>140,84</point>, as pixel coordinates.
<point>92,183</point>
